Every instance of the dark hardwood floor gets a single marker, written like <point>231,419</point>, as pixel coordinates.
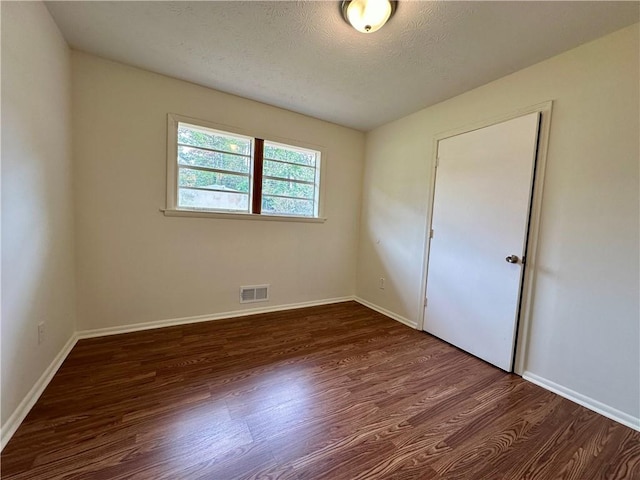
<point>332,392</point>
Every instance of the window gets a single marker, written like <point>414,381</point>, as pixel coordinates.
<point>289,180</point>
<point>214,169</point>
<point>211,170</point>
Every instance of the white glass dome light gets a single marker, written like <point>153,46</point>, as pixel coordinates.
<point>368,16</point>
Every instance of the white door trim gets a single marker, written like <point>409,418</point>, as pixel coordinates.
<point>528,280</point>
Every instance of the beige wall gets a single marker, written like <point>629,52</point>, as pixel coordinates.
<point>585,326</point>
<point>136,265</point>
<point>37,209</point>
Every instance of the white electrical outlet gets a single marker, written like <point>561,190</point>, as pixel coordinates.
<point>382,283</point>
<point>40,333</point>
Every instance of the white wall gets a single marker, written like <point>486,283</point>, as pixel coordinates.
<point>136,265</point>
<point>37,206</point>
<point>585,331</point>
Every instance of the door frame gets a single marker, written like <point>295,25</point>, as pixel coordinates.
<point>523,322</point>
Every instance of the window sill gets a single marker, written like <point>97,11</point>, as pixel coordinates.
<point>239,216</point>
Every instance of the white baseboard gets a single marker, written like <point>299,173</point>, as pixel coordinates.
<point>20,413</point>
<point>32,397</point>
<point>170,322</point>
<point>580,399</point>
<point>386,312</point>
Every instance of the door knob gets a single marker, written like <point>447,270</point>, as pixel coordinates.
<point>512,259</point>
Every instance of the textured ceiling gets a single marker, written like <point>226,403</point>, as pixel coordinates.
<point>303,57</point>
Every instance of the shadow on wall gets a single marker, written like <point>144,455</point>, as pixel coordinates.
<point>392,255</point>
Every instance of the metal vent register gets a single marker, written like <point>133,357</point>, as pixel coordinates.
<point>254,293</point>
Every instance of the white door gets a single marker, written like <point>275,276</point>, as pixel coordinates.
<point>480,219</point>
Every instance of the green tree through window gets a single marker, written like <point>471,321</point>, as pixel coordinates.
<point>221,171</point>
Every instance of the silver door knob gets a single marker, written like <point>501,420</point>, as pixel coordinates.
<point>512,259</point>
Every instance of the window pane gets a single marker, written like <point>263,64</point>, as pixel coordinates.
<point>287,206</point>
<point>203,137</point>
<point>213,200</point>
<point>205,158</point>
<point>288,189</point>
<point>289,154</point>
<point>288,171</point>
<point>213,180</point>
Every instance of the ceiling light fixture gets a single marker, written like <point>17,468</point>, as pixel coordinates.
<point>368,16</point>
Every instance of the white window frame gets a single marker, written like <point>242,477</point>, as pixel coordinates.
<point>172,208</point>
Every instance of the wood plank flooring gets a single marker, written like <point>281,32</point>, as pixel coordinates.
<point>333,392</point>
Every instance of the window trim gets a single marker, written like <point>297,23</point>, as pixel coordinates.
<point>172,208</point>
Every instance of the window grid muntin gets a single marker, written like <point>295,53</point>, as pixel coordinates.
<point>315,159</point>
<point>241,178</point>
<point>309,170</point>
<point>295,200</point>
<point>208,160</point>
<point>182,166</point>
<point>225,152</point>
<point>230,192</point>
<point>290,163</point>
<point>212,131</point>
<point>285,179</point>
<point>204,189</point>
<point>293,148</point>
<point>285,196</point>
<point>316,167</point>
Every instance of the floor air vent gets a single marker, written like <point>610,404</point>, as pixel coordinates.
<point>254,293</point>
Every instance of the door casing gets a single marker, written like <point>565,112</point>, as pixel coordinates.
<point>528,280</point>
